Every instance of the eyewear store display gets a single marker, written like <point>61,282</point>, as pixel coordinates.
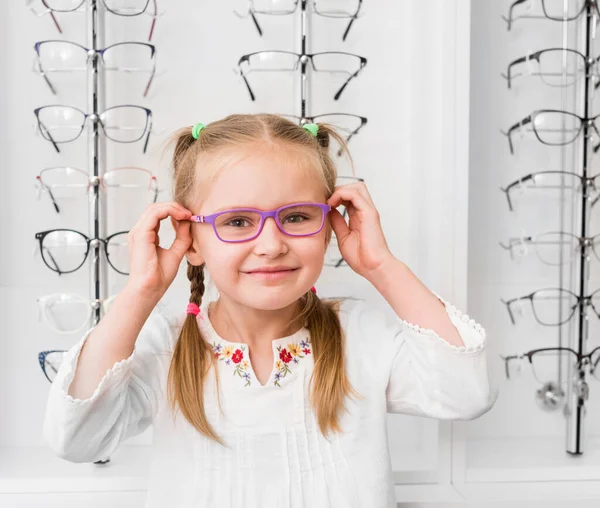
<point>561,366</point>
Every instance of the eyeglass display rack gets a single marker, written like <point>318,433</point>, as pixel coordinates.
<point>577,389</point>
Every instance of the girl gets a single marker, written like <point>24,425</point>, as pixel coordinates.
<point>268,396</point>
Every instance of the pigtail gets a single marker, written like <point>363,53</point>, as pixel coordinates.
<point>192,359</point>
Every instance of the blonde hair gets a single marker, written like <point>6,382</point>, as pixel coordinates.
<point>193,356</point>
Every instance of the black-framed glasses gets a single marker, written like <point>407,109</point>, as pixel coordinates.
<point>559,181</point>
<point>546,363</point>
<point>123,124</point>
<point>554,127</point>
<point>55,56</point>
<point>554,248</point>
<point>348,124</point>
<point>558,67</point>
<point>546,302</point>
<point>127,8</point>
<point>347,9</point>
<point>334,62</point>
<point>555,10</point>
<point>64,182</point>
<point>65,250</point>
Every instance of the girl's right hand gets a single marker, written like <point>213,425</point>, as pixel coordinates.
<point>152,268</point>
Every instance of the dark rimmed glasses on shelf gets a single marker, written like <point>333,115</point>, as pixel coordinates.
<point>325,8</point>
<point>127,8</point>
<point>557,67</point>
<point>553,180</point>
<point>123,124</point>
<point>55,56</point>
<point>60,181</point>
<point>554,127</point>
<point>334,62</point>
<point>554,248</point>
<point>245,224</point>
<point>555,10</point>
<point>545,302</point>
<point>547,363</point>
<point>65,250</point>
<point>348,124</point>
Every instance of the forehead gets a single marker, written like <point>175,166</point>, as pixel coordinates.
<point>264,179</point>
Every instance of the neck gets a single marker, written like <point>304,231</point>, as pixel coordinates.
<point>256,327</point>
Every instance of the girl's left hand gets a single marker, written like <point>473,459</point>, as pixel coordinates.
<point>361,243</point>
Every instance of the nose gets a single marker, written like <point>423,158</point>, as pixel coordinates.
<point>271,240</point>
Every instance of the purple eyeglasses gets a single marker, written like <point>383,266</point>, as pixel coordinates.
<point>245,224</point>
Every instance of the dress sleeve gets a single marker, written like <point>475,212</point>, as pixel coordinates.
<point>422,374</point>
<point>123,404</point>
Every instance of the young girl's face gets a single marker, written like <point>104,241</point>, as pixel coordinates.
<point>264,179</point>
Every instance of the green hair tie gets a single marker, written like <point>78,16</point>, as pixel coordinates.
<point>313,128</point>
<point>196,130</point>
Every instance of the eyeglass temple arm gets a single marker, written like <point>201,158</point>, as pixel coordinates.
<point>49,191</point>
<point>153,21</point>
<point>510,11</point>
<point>57,268</point>
<point>244,78</point>
<point>506,360</point>
<point>513,128</point>
<point>43,73</point>
<point>42,126</point>
<point>510,313</point>
<point>511,65</point>
<point>56,22</point>
<point>363,62</point>
<point>350,23</point>
<point>150,81</point>
<point>149,132</point>
<point>256,24</point>
<point>507,193</point>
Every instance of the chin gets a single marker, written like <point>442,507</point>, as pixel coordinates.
<point>272,298</point>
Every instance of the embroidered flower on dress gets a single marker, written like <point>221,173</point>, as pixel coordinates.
<point>236,356</point>
<point>293,353</point>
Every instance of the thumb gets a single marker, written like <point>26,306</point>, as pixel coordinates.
<point>338,223</point>
<point>183,238</point>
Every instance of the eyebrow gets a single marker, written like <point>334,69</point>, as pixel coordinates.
<point>225,208</point>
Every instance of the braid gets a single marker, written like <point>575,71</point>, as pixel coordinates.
<point>195,274</point>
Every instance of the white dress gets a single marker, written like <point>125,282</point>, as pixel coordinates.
<point>275,456</point>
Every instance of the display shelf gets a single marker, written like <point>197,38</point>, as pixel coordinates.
<point>26,469</point>
<point>529,459</point>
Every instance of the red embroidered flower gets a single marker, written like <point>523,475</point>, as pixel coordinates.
<point>217,354</point>
<point>306,351</point>
<point>237,356</point>
<point>285,356</point>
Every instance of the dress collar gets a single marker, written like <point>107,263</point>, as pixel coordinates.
<point>288,352</point>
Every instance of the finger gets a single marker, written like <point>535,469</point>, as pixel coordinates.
<point>340,228</point>
<point>159,211</point>
<point>183,239</point>
<point>346,195</point>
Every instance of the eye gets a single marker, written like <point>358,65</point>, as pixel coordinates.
<point>296,217</point>
<point>238,222</point>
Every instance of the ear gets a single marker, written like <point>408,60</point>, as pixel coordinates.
<point>192,255</point>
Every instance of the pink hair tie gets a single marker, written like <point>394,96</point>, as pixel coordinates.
<point>314,290</point>
<point>193,308</point>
